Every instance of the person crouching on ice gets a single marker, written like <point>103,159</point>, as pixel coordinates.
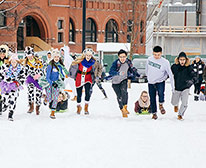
<point>184,77</point>
<point>120,71</point>
<point>142,106</point>
<point>54,76</point>
<point>12,78</point>
<point>82,70</point>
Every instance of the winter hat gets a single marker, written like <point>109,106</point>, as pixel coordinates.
<point>4,49</point>
<point>55,52</point>
<point>197,56</point>
<point>14,56</point>
<point>29,51</point>
<point>88,51</point>
<point>182,54</point>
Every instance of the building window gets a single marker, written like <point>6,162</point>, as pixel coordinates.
<point>71,30</point>
<point>2,19</point>
<point>60,37</point>
<point>60,24</point>
<point>111,32</point>
<point>91,31</point>
<point>141,26</point>
<point>129,30</point>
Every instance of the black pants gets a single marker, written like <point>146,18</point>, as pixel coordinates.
<point>197,88</point>
<point>121,92</point>
<point>87,87</point>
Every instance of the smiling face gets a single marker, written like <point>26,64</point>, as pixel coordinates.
<point>88,56</point>
<point>49,55</point>
<point>144,97</point>
<point>197,59</point>
<point>30,57</point>
<point>56,58</point>
<point>2,55</point>
<point>122,57</point>
<point>13,62</point>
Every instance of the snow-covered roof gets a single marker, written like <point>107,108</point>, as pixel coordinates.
<point>113,47</point>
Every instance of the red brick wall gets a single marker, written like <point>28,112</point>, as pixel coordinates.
<point>47,17</point>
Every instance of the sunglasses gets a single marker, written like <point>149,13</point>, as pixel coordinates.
<point>2,50</point>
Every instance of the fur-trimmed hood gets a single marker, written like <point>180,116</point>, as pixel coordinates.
<point>186,64</point>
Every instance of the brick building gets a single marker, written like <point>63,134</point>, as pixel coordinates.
<point>53,23</point>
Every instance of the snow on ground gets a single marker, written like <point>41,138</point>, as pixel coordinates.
<point>104,139</point>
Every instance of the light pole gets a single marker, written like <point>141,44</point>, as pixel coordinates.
<point>83,24</point>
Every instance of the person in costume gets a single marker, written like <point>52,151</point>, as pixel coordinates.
<point>82,70</point>
<point>33,71</point>
<point>12,77</point>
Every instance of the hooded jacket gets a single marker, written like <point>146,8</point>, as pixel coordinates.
<point>184,76</point>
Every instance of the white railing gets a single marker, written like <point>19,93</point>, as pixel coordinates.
<point>181,29</point>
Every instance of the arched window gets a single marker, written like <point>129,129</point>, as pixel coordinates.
<point>129,30</point>
<point>91,31</point>
<point>111,32</point>
<point>71,30</point>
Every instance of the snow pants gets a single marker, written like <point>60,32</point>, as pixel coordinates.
<point>87,87</point>
<point>9,102</point>
<point>52,96</point>
<point>154,89</point>
<point>183,96</point>
<point>121,92</point>
<point>197,88</point>
<point>31,90</point>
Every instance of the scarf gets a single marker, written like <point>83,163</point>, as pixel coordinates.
<point>63,68</point>
<point>13,72</point>
<point>88,64</point>
<point>144,104</point>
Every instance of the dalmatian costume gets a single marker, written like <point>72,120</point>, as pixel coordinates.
<point>12,79</point>
<point>33,70</point>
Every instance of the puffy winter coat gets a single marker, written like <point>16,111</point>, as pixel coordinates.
<point>198,67</point>
<point>184,76</point>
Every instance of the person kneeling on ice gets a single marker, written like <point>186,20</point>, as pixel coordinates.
<point>62,102</point>
<point>120,71</point>
<point>142,106</point>
<point>184,78</point>
<point>54,76</point>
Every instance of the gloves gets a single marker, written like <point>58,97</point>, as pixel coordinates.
<point>37,76</point>
<point>17,83</point>
<point>55,85</point>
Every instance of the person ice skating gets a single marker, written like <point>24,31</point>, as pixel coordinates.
<point>157,71</point>
<point>55,74</point>
<point>120,71</point>
<point>184,78</point>
<point>142,105</point>
<point>82,70</point>
<point>98,75</point>
<point>62,102</point>
<point>12,77</point>
<point>33,71</point>
<point>65,52</point>
<point>198,66</point>
<point>4,49</point>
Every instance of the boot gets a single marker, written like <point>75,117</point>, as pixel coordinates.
<point>79,109</point>
<point>124,113</point>
<point>196,98</point>
<point>154,116</point>
<point>31,107</point>
<point>162,110</point>
<point>10,117</point>
<point>175,109</point>
<point>86,112</point>
<point>125,108</point>
<point>37,110</point>
<point>45,99</point>
<point>52,116</point>
<point>74,98</point>
<point>179,117</point>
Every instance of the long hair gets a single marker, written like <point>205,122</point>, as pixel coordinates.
<point>80,59</point>
<point>52,63</point>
